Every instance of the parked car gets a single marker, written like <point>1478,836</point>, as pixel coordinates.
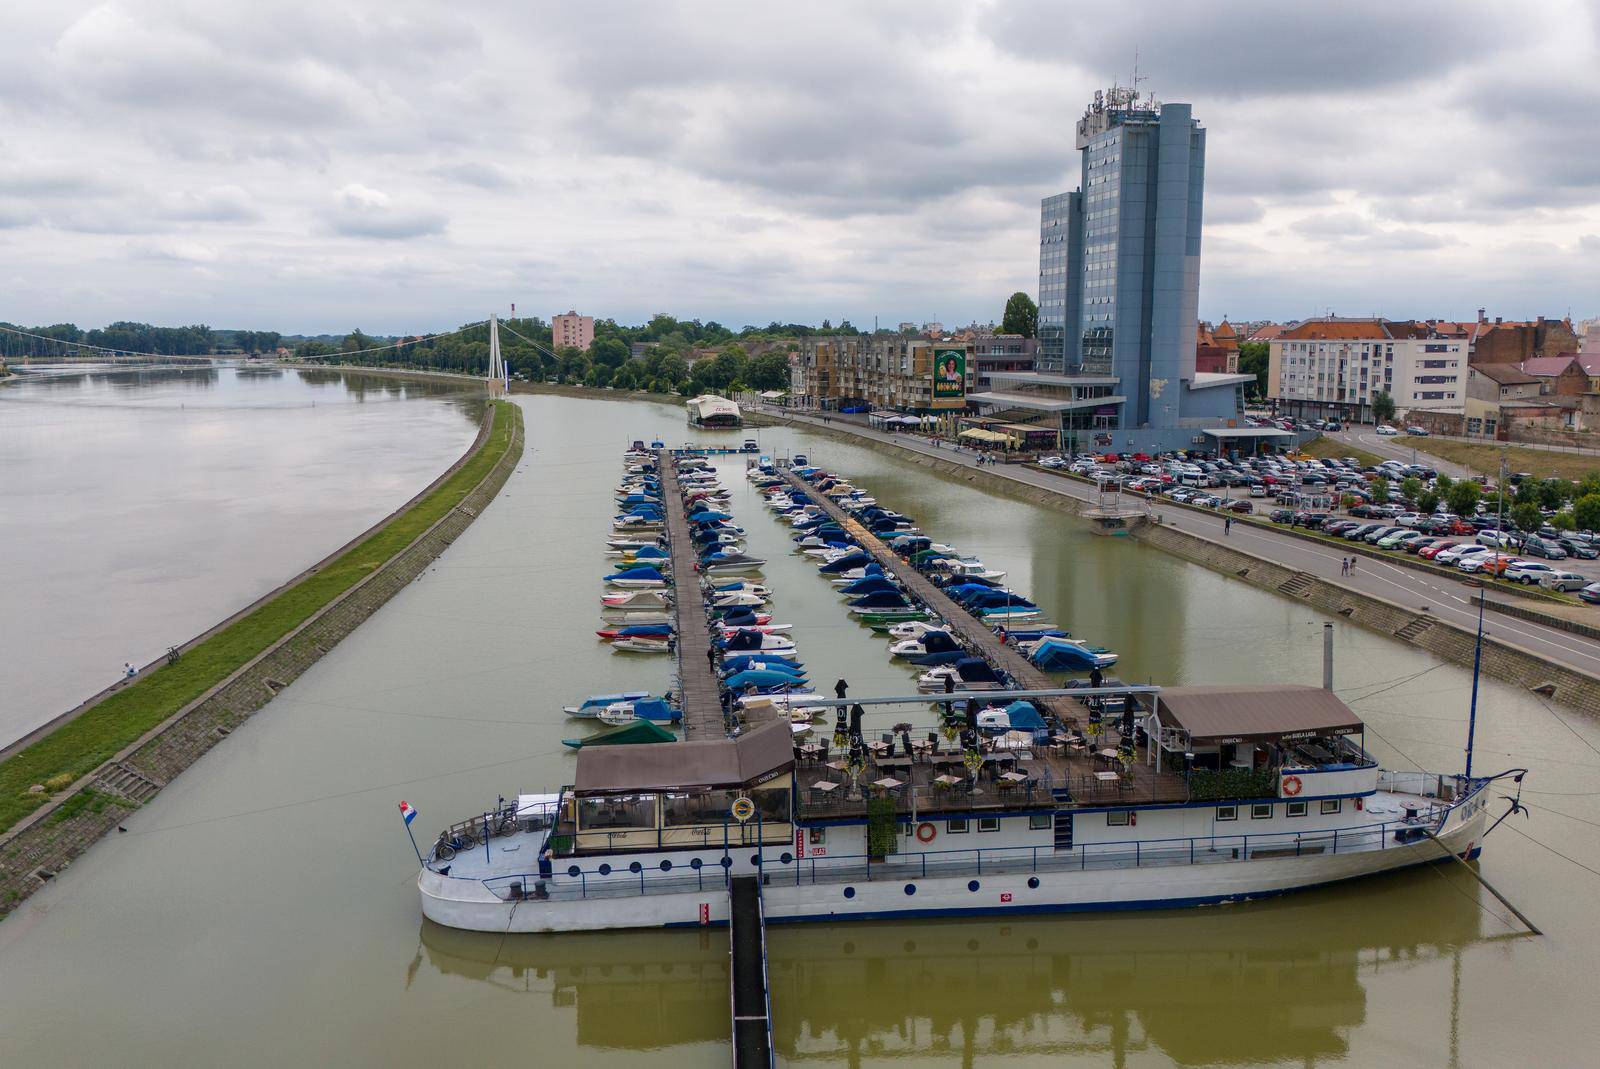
<point>1053,462</point>
<point>1564,581</point>
<point>1431,552</point>
<point>1456,555</point>
<point>1590,593</point>
<point>1241,506</point>
<point>1416,431</point>
<point>1495,538</point>
<point>1528,572</point>
<point>1400,539</point>
<point>1539,547</point>
<point>1386,430</point>
<point>1577,549</point>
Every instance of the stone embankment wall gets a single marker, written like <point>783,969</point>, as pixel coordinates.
<point>36,849</point>
<point>1501,660</point>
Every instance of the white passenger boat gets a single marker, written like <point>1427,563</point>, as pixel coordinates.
<point>1221,795</point>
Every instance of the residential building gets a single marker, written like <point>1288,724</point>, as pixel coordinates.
<point>572,329</point>
<point>1217,351</point>
<point>1333,367</point>
<point>1503,342</point>
<point>1489,387</point>
<point>1562,375</point>
<point>1119,289</point>
<point>877,371</point>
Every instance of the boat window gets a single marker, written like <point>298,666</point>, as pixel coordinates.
<point>1297,809</point>
<point>617,811</point>
<point>817,836</point>
<point>1332,805</point>
<point>773,805</point>
<point>1227,812</point>
<point>699,807</point>
<point>955,827</point>
<point>1117,820</point>
<point>1039,822</point>
<point>988,823</point>
<point>1260,812</point>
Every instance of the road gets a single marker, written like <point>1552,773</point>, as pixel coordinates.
<point>1370,440</point>
<point>1443,597</point>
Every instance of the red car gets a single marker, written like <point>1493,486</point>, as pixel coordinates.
<point>1433,551</point>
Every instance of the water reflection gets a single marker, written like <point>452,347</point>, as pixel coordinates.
<point>1279,981</point>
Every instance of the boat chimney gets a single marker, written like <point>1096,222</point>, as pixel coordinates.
<point>1327,656</point>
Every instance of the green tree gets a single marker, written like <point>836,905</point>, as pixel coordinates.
<point>1526,516</point>
<point>1563,521</point>
<point>1463,497</point>
<point>1382,406</point>
<point>1253,359</point>
<point>1021,316</point>
<point>1411,488</point>
<point>769,371</point>
<point>1586,512</point>
<point>1380,489</point>
<point>611,352</point>
<point>1527,492</point>
<point>1443,484</point>
<point>1553,493</point>
<point>1589,484</point>
<point>1427,502</point>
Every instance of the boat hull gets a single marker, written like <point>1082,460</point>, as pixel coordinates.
<point>904,894</point>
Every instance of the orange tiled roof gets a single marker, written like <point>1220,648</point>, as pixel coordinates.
<point>1336,330</point>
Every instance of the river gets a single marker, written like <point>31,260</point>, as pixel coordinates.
<point>262,911</point>
<point>140,506</point>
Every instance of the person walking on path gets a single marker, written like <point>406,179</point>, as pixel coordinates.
<point>1352,566</point>
<point>128,670</point>
<point>1227,525</point>
<point>1344,565</point>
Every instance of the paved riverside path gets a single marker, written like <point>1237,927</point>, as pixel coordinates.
<point>974,635</point>
<point>698,693</point>
<point>1444,597</point>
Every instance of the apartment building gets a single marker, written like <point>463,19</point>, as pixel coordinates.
<point>882,372</point>
<point>1333,367</point>
<point>572,329</point>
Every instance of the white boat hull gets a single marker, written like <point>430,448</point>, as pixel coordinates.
<point>904,893</point>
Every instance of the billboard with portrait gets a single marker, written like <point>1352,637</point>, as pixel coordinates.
<point>949,378</point>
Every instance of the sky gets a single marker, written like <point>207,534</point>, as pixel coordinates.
<point>404,166</point>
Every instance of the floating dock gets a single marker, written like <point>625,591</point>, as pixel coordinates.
<point>699,695</point>
<point>748,989</point>
<point>972,634</point>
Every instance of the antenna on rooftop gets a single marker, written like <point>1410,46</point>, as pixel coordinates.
<point>1135,74</point>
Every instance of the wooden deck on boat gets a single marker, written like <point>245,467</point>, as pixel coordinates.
<point>967,629</point>
<point>1056,776</point>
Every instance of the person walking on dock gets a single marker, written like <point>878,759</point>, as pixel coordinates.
<point>711,658</point>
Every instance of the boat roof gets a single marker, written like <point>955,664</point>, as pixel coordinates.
<point>1220,714</point>
<point>704,763</point>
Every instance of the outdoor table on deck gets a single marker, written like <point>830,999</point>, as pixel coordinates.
<point>948,780</point>
<point>827,787</point>
<point>893,762</point>
<point>1107,777</point>
<point>888,783</point>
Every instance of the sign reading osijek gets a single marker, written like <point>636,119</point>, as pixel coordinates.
<point>949,378</point>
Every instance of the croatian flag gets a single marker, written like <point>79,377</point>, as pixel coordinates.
<point>407,812</point>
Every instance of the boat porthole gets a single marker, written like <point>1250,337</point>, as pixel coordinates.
<point>666,866</point>
<point>972,885</point>
<point>785,857</point>
<point>694,862</point>
<point>573,870</point>
<point>911,888</point>
<point>727,862</point>
<point>849,892</point>
<point>1033,944</point>
<point>972,944</point>
<point>755,860</point>
<point>1033,882</point>
<point>635,867</point>
<point>909,946</point>
<point>605,870</point>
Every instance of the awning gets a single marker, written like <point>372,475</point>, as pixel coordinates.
<point>756,755</point>
<point>1248,432</point>
<point>1041,402</point>
<point>978,434</point>
<point>1265,713</point>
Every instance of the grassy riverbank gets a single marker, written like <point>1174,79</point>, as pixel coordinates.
<point>79,746</point>
<point>1333,449</point>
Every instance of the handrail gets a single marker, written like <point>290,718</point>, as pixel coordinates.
<point>1134,853</point>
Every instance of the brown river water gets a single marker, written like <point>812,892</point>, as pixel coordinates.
<point>262,911</point>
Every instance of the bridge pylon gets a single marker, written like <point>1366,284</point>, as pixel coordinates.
<point>499,377</point>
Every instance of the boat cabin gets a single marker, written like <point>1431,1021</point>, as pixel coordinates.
<point>681,794</point>
<point>1261,741</point>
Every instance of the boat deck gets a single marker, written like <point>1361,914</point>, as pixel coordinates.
<point>1053,775</point>
<point>967,630</point>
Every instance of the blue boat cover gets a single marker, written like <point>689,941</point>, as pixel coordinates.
<point>1024,717</point>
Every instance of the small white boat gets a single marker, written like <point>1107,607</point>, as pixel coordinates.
<point>913,629</point>
<point>765,629</point>
<point>637,599</point>
<point>591,707</point>
<point>641,645</point>
<point>968,568</point>
<point>638,584</point>
<point>776,644</point>
<point>737,600</point>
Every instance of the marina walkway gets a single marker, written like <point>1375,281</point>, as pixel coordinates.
<point>972,634</point>
<point>697,682</point>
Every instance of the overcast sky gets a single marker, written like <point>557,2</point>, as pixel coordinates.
<point>402,166</point>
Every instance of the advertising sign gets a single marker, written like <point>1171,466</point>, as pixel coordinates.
<point>949,378</point>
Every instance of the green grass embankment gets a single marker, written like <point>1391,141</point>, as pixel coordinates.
<point>79,746</point>
<point>1485,457</point>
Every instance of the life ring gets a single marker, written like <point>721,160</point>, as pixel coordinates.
<point>1291,786</point>
<point>926,832</point>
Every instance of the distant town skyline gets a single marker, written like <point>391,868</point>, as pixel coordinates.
<point>405,168</point>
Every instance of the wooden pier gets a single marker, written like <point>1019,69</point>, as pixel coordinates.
<point>698,692</point>
<point>967,630</point>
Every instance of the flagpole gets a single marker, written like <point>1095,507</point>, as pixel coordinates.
<point>413,839</point>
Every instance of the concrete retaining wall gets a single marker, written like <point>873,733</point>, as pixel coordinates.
<point>51,838</point>
<point>1501,660</point>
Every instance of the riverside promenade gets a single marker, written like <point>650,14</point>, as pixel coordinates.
<point>1439,596</point>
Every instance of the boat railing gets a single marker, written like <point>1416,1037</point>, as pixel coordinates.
<point>702,874</point>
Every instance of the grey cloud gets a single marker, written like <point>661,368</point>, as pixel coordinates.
<point>362,212</point>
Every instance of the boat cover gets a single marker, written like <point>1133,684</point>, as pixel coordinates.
<point>755,755</point>
<point>636,731</point>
